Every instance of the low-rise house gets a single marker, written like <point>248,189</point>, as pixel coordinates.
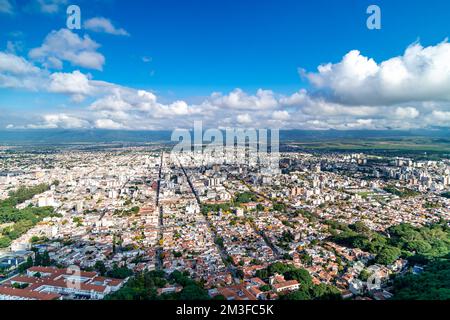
<point>49,283</point>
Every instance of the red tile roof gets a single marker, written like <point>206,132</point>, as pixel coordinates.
<point>27,294</point>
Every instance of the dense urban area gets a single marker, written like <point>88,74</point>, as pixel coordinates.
<point>137,222</point>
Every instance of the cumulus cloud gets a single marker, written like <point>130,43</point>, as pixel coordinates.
<point>281,115</point>
<point>75,84</point>
<point>238,99</point>
<point>11,63</point>
<point>103,25</point>
<point>406,113</point>
<point>108,124</point>
<point>420,74</point>
<point>17,72</point>
<point>64,45</point>
<point>244,119</point>
<point>62,120</point>
<point>144,103</point>
<point>438,118</point>
<point>352,94</point>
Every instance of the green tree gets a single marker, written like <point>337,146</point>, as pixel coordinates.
<point>388,255</point>
<point>193,292</point>
<point>5,242</point>
<point>119,272</point>
<point>432,284</point>
<point>301,275</point>
<point>297,295</point>
<point>46,259</point>
<point>100,267</point>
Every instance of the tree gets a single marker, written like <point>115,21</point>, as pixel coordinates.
<point>364,275</point>
<point>360,227</point>
<point>287,256</point>
<point>301,275</point>
<point>306,259</point>
<point>278,206</point>
<point>5,242</point>
<point>265,288</point>
<point>219,242</point>
<point>297,295</point>
<point>100,267</point>
<point>419,246</point>
<point>388,255</point>
<point>46,259</point>
<point>27,264</point>
<point>324,291</point>
<point>262,273</point>
<point>193,292</point>
<point>37,259</point>
<point>119,272</point>
<point>432,284</point>
<point>245,197</point>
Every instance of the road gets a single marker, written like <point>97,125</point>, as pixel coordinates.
<point>159,249</point>
<point>224,255</point>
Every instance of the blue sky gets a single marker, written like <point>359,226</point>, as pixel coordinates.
<point>194,48</point>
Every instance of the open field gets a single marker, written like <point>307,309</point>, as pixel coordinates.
<point>417,147</point>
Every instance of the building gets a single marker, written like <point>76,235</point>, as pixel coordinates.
<point>279,284</point>
<point>237,292</point>
<point>10,293</point>
<point>50,283</point>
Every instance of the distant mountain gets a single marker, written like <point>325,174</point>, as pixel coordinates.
<point>58,136</point>
<point>81,136</point>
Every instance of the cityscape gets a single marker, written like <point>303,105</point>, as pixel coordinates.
<point>224,152</point>
<point>323,225</point>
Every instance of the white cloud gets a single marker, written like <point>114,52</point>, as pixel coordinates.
<point>17,72</point>
<point>112,106</point>
<point>439,118</point>
<point>238,99</point>
<point>111,103</point>
<point>75,84</point>
<point>108,124</point>
<point>54,121</point>
<point>244,119</point>
<point>316,105</point>
<point>64,45</point>
<point>51,6</point>
<point>359,124</point>
<point>281,115</point>
<point>100,24</point>
<point>10,63</point>
<point>6,7</point>
<point>406,113</point>
<point>420,74</point>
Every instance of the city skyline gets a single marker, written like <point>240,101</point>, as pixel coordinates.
<point>228,157</point>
